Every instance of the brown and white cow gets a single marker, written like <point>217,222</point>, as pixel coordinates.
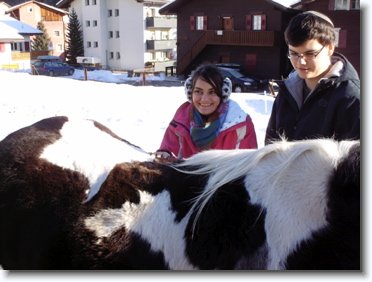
<point>73,195</point>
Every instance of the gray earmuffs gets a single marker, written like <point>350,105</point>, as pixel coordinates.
<point>226,89</point>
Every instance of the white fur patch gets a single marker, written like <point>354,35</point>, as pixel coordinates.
<point>90,151</point>
<point>154,220</point>
<point>288,179</point>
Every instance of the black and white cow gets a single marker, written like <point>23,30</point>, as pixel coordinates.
<point>73,195</point>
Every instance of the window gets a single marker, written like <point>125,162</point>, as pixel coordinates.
<point>29,10</point>
<point>27,46</point>
<point>87,23</point>
<point>60,47</point>
<point>95,23</point>
<point>355,5</point>
<point>345,5</point>
<point>86,2</point>
<point>200,23</point>
<point>56,33</point>
<point>117,55</point>
<point>94,2</point>
<point>89,44</point>
<point>95,44</point>
<point>111,34</point>
<point>111,55</point>
<point>342,5</point>
<point>116,12</point>
<point>109,13</point>
<point>117,34</point>
<point>255,22</point>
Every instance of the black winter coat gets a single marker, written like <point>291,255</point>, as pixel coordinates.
<point>332,110</point>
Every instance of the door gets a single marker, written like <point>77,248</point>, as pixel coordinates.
<point>228,23</point>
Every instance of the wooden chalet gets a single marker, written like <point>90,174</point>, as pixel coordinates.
<point>244,32</point>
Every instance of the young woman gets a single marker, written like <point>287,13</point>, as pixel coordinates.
<point>208,120</point>
<point>321,97</point>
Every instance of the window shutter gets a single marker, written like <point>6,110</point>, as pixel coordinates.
<point>263,22</point>
<point>331,5</point>
<point>248,22</point>
<point>205,23</point>
<point>342,39</point>
<point>192,22</point>
<point>2,47</point>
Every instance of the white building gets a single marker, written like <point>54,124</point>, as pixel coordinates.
<point>113,31</point>
<point>160,36</point>
<point>15,42</point>
<point>126,34</point>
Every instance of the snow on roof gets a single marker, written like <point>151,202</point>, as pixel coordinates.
<point>9,34</point>
<point>19,27</point>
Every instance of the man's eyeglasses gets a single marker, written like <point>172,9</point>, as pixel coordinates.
<point>311,55</point>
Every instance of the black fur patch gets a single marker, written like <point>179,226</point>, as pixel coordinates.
<point>228,229</point>
<point>336,247</point>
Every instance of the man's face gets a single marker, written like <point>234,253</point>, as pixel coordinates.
<point>311,59</point>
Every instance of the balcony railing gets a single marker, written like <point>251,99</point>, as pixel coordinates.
<point>241,38</point>
<point>157,45</point>
<point>161,22</point>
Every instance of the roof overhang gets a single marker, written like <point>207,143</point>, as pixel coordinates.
<point>174,7</point>
<point>64,3</point>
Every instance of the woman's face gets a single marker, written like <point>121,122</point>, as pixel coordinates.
<point>204,97</point>
<point>314,60</point>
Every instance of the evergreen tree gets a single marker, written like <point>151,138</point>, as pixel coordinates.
<point>41,42</point>
<point>74,38</point>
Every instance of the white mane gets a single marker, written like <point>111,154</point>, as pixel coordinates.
<point>224,166</point>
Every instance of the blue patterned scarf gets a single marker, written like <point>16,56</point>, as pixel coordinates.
<point>204,132</point>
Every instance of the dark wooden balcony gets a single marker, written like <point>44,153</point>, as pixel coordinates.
<point>240,38</point>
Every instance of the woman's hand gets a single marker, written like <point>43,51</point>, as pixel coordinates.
<point>165,157</point>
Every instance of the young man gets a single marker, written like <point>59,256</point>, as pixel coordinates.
<point>321,97</point>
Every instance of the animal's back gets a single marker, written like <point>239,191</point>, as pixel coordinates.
<point>39,201</point>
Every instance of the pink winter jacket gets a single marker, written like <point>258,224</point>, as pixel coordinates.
<point>236,132</point>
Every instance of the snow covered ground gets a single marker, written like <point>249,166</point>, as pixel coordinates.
<point>137,113</point>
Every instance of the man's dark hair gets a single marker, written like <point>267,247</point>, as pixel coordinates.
<point>310,25</point>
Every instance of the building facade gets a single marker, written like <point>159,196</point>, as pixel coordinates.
<point>15,43</point>
<point>113,31</point>
<point>54,20</point>
<point>248,33</point>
